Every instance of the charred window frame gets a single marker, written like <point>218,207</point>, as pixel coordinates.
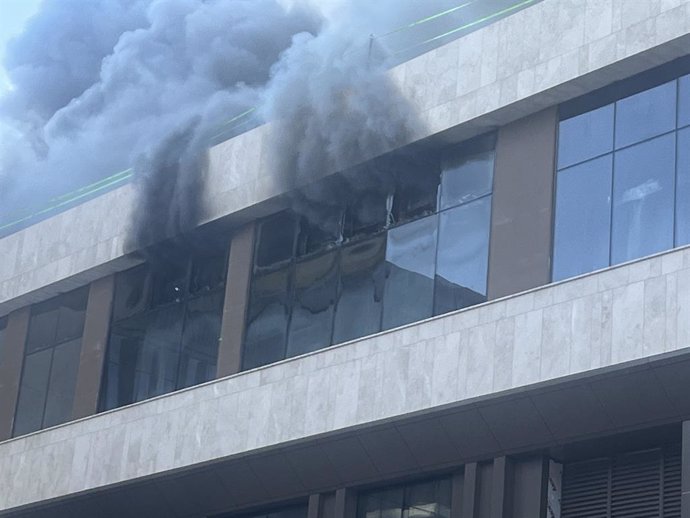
<point>424,228</point>
<point>165,325</point>
<point>51,362</point>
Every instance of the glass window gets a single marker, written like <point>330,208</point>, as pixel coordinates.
<point>63,381</point>
<point>646,114</point>
<point>131,292</point>
<point>585,136</point>
<point>463,253</point>
<point>199,353</point>
<point>684,101</point>
<point>169,281</point>
<point>416,191</point>
<point>683,189</point>
<point>3,325</point>
<point>583,218</point>
<point>208,273</point>
<point>421,500</point>
<point>276,240</point>
<point>362,278</point>
<point>311,325</point>
<point>367,214</point>
<point>268,314</point>
<point>32,392</point>
<point>465,178</point>
<point>49,374</point>
<point>643,199</point>
<point>410,265</point>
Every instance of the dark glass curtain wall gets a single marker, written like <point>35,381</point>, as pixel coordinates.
<point>415,248</point>
<point>429,499</point>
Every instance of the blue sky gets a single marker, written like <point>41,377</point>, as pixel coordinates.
<point>13,16</point>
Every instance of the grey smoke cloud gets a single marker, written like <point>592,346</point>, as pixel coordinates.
<point>101,85</point>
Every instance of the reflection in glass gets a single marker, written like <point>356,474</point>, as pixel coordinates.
<point>683,189</point>
<point>43,325</point>
<point>643,199</point>
<point>430,499</point>
<point>311,325</point>
<point>465,178</point>
<point>362,277</point>
<point>63,380</point>
<point>646,114</point>
<point>131,292</point>
<point>267,319</point>
<point>583,218</point>
<point>32,392</point>
<point>410,260</point>
<point>684,101</point>
<point>71,314</point>
<point>199,352</point>
<point>585,136</point>
<point>463,252</point>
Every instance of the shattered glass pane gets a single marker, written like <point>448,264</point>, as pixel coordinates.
<point>367,214</point>
<point>316,235</point>
<point>276,241</point>
<point>208,273</point>
<point>416,193</point>
<point>316,282</point>
<point>267,320</point>
<point>362,278</point>
<point>410,264</point>
<point>465,178</point>
<point>169,281</point>
<point>131,292</point>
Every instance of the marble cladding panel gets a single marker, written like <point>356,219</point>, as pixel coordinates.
<point>535,58</point>
<point>604,319</point>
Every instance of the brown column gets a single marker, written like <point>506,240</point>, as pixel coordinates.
<point>11,367</point>
<point>236,301</point>
<point>521,221</point>
<point>93,347</point>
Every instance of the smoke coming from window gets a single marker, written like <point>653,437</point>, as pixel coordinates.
<point>103,85</point>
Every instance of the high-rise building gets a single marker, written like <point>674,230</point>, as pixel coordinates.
<point>492,321</point>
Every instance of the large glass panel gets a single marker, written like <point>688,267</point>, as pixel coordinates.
<point>71,315</point>
<point>585,136</point>
<point>131,292</point>
<point>643,199</point>
<point>362,278</point>
<point>583,218</point>
<point>428,499</point>
<point>43,325</point>
<point>646,114</point>
<point>268,319</point>
<point>311,325</point>
<point>276,240</point>
<point>463,253</point>
<point>683,189</point>
<point>63,380</point>
<point>386,503</point>
<point>199,352</point>
<point>465,178</point>
<point>32,392</point>
<point>3,325</point>
<point>410,265</point>
<point>684,101</point>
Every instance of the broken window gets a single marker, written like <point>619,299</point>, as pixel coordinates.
<point>362,277</point>
<point>467,172</point>
<point>168,340</point>
<point>311,325</point>
<point>367,214</point>
<point>49,374</point>
<point>416,191</point>
<point>321,231</point>
<point>276,240</point>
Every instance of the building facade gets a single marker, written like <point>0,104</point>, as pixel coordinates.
<point>494,323</point>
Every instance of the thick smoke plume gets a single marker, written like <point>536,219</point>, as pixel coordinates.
<point>103,85</point>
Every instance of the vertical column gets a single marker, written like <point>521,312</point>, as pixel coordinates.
<point>685,472</point>
<point>11,367</point>
<point>500,490</point>
<point>469,493</point>
<point>93,347</point>
<point>522,207</point>
<point>236,301</point>
<point>345,503</point>
<point>456,496</point>
<point>314,507</point>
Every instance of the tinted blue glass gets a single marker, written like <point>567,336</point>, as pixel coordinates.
<point>63,381</point>
<point>646,114</point>
<point>465,178</point>
<point>585,136</point>
<point>684,101</point>
<point>643,199</point>
<point>410,263</point>
<point>683,189</point>
<point>463,252</point>
<point>583,216</point>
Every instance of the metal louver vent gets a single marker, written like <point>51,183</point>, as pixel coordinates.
<point>643,484</point>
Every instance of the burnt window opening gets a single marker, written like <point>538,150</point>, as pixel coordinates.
<point>321,231</point>
<point>276,240</point>
<point>367,214</point>
<point>416,192</point>
<point>165,325</point>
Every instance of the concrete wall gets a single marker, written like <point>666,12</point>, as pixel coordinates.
<point>602,320</point>
<point>536,58</point>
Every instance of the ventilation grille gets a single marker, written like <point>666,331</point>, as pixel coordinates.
<point>644,484</point>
